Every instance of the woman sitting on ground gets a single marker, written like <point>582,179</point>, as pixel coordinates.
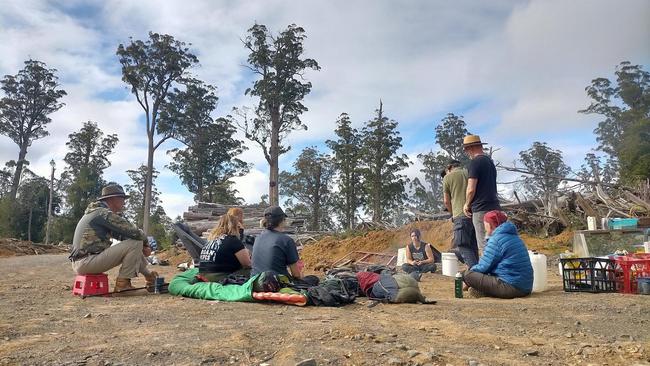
<point>273,250</point>
<point>224,254</point>
<point>504,271</point>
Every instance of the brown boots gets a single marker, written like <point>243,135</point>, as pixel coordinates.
<point>123,284</point>
<point>151,280</point>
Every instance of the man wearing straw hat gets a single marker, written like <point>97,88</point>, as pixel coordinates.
<point>92,251</point>
<point>481,195</point>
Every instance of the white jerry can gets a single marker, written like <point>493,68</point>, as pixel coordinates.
<point>540,273</point>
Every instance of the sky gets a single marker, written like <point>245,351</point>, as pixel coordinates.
<point>515,70</point>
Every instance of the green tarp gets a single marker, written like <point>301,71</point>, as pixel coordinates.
<point>184,284</point>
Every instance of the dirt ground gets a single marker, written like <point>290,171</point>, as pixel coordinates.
<point>41,323</point>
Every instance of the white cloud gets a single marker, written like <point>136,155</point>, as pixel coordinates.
<point>516,70</point>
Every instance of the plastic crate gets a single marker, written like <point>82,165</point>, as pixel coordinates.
<point>629,269</point>
<point>619,224</point>
<point>594,275</point>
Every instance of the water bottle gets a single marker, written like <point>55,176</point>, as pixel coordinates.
<point>158,287</point>
<point>458,286</point>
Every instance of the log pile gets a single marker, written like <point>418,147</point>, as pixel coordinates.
<point>203,216</point>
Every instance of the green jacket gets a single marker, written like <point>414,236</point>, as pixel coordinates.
<point>96,229</point>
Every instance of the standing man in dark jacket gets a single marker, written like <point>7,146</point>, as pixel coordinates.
<point>481,194</point>
<point>91,247</point>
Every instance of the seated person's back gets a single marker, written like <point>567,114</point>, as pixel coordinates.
<point>224,253</point>
<point>273,250</point>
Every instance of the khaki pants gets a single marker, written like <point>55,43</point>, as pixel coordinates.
<point>479,229</point>
<point>128,253</point>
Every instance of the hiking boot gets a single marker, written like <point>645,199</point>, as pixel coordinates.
<point>474,293</point>
<point>151,280</point>
<point>123,284</point>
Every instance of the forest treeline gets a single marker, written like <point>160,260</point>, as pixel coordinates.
<point>358,173</point>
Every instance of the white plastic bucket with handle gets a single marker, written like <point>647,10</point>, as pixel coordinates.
<point>449,264</point>
<point>401,256</point>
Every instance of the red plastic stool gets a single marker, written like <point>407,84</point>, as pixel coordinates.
<point>90,284</point>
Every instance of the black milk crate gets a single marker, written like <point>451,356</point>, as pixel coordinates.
<point>589,275</point>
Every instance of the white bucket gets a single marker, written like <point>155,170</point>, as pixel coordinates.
<point>646,246</point>
<point>401,256</point>
<point>449,264</point>
<point>591,223</point>
<point>538,261</point>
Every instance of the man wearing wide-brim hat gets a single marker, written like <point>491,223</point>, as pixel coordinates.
<point>92,252</point>
<point>481,195</point>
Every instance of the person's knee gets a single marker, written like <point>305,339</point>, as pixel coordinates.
<point>133,244</point>
<point>407,268</point>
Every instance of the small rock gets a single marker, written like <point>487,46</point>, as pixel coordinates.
<point>472,363</point>
<point>497,347</point>
<point>307,362</point>
<point>401,347</point>
<point>392,335</point>
<point>532,352</point>
<point>279,312</point>
<point>6,338</point>
<point>265,364</point>
<point>89,315</point>
<point>432,356</point>
<point>569,335</point>
<point>395,361</point>
<point>369,335</point>
<point>412,353</point>
<point>356,337</point>
<point>422,328</point>
<point>626,337</point>
<point>139,320</point>
<point>577,323</point>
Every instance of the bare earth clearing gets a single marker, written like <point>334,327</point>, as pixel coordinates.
<point>42,323</point>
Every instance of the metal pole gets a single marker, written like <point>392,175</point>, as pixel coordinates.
<point>49,206</point>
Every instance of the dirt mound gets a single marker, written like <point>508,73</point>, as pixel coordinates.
<point>10,247</point>
<point>439,233</point>
<point>332,248</point>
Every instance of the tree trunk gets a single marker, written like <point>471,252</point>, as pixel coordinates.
<point>19,171</point>
<point>29,225</point>
<point>274,171</point>
<point>147,188</point>
<point>49,207</point>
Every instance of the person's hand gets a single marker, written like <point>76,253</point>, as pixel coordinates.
<point>146,250</point>
<point>467,210</point>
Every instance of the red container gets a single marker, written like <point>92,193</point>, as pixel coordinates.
<point>629,269</point>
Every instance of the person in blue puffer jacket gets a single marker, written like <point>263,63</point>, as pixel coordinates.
<point>504,271</point>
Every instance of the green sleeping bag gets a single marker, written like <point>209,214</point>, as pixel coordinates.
<point>185,284</point>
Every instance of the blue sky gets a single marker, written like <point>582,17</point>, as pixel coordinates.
<point>516,70</point>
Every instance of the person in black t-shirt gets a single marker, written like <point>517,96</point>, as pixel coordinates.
<point>224,253</point>
<point>274,250</point>
<point>481,195</point>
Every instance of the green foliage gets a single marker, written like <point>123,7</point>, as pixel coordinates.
<point>29,97</point>
<point>549,167</point>
<point>160,222</point>
<point>421,198</point>
<point>598,169</point>
<point>208,161</point>
<point>346,159</point>
<point>381,166</point>
<point>277,62</point>
<point>625,105</point>
<point>449,136</point>
<point>151,68</point>
<point>310,185</point>
<point>30,211</point>
<point>86,160</point>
